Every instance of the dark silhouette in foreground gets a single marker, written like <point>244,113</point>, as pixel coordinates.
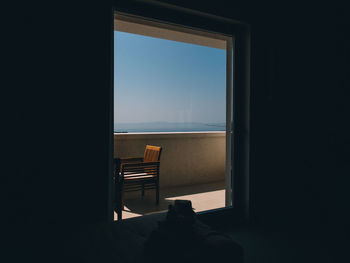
<point>183,238</point>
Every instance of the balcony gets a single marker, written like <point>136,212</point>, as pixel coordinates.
<point>192,167</point>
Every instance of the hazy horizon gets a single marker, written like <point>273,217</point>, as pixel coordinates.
<point>169,122</point>
<point>164,126</point>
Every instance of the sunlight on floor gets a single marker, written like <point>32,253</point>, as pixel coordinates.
<point>203,197</point>
<point>204,201</point>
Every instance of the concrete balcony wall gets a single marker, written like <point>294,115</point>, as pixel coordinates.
<point>187,158</point>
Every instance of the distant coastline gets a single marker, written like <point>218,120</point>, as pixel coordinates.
<point>167,127</point>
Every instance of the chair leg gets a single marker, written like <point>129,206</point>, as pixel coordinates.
<point>122,201</point>
<point>119,213</point>
<point>119,202</point>
<point>157,194</point>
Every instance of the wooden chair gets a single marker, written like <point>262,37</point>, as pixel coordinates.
<point>140,173</point>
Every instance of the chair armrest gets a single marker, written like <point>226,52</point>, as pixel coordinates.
<point>119,161</point>
<point>129,159</point>
<point>140,164</point>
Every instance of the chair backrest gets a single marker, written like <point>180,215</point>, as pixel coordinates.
<point>152,153</point>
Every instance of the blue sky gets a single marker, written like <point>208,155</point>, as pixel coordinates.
<point>162,80</point>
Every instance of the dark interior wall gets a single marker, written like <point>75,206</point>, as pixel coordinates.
<point>59,143</point>
<point>62,101</point>
<point>56,179</point>
<point>299,117</point>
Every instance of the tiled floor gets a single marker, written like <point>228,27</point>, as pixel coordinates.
<point>203,197</point>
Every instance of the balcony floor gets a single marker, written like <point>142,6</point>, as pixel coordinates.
<point>203,197</point>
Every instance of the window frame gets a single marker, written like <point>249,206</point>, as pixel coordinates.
<point>240,144</point>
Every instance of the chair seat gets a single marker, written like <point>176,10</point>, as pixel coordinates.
<point>138,176</point>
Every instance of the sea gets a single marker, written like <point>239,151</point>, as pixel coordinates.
<point>167,127</point>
